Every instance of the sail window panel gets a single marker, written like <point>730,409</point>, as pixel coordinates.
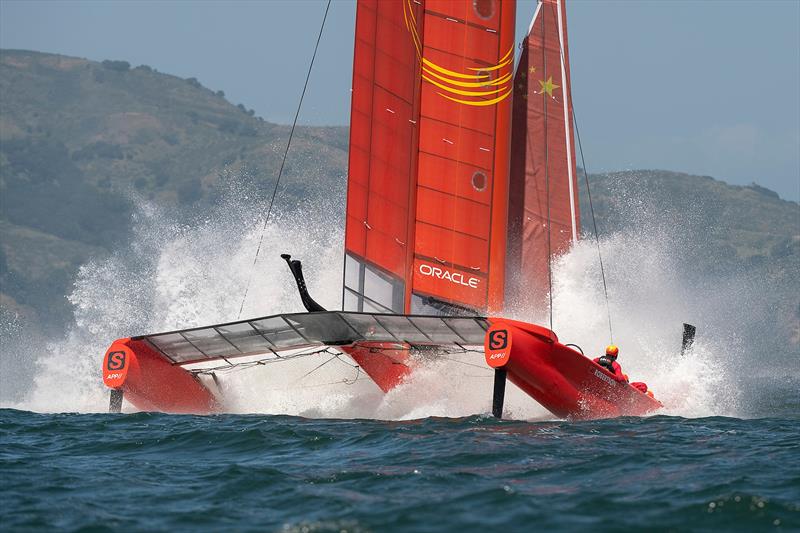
<point>245,338</point>
<point>326,328</point>
<point>403,329</point>
<point>367,326</point>
<point>437,173</point>
<point>466,144</point>
<point>351,300</point>
<point>466,251</point>
<point>379,289</point>
<point>175,347</point>
<point>436,330</point>
<point>449,211</point>
<point>470,329</point>
<point>278,332</point>
<point>480,119</point>
<point>352,272</point>
<point>210,342</point>
<point>372,307</point>
<point>384,251</point>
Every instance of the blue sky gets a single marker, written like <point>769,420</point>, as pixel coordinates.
<point>706,87</point>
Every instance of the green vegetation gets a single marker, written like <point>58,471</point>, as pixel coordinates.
<point>79,140</point>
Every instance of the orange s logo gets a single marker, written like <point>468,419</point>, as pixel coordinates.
<point>498,339</point>
<point>116,361</point>
<point>497,345</point>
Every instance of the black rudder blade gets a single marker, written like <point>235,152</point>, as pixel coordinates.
<point>115,401</point>
<point>499,394</point>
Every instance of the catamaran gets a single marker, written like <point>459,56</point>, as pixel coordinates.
<point>462,187</point>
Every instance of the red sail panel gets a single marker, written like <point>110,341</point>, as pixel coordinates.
<point>467,50</point>
<point>543,173</point>
<point>383,157</point>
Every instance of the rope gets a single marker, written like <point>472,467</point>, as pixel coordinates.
<point>594,223</point>
<point>283,161</point>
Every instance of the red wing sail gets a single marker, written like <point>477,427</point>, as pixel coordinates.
<point>462,195</point>
<point>543,173</point>
<point>429,148</point>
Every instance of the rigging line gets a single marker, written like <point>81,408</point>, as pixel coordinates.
<point>594,223</point>
<point>334,357</point>
<point>283,161</point>
<point>547,181</point>
<point>465,363</point>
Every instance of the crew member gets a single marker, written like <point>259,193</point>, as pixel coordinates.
<point>609,362</point>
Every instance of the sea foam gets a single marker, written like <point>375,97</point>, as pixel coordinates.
<point>175,274</point>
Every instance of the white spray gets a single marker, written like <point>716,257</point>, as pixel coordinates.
<point>175,276</point>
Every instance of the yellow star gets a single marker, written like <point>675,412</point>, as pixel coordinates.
<point>531,70</point>
<point>548,86</point>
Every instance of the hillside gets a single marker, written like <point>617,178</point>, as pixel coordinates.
<point>81,141</point>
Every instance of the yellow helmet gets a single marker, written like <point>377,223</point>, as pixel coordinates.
<point>612,350</point>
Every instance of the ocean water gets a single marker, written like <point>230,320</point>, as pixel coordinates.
<point>144,471</point>
<point>311,447</point>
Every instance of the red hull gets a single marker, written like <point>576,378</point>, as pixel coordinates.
<point>565,382</point>
<point>152,384</point>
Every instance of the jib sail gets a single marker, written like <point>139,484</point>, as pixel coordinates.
<point>543,210</point>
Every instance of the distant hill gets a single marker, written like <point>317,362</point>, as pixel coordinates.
<point>79,139</point>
